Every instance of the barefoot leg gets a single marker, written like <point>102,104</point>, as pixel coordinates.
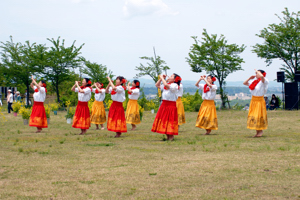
<point>97,127</point>
<point>133,127</point>
<point>118,134</point>
<point>82,132</point>
<point>207,131</point>
<point>171,137</point>
<point>38,129</point>
<point>102,127</point>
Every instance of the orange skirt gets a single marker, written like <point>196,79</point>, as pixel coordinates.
<point>116,118</point>
<point>81,118</point>
<point>207,116</point>
<point>180,110</point>
<point>38,116</point>
<point>166,120</point>
<point>98,113</point>
<point>257,116</point>
<point>132,113</point>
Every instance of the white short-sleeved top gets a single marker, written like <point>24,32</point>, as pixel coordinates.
<point>171,93</point>
<point>180,91</point>
<point>135,94</point>
<point>260,89</point>
<point>120,94</point>
<point>40,95</point>
<point>86,96</point>
<point>10,98</point>
<point>211,94</point>
<point>99,96</point>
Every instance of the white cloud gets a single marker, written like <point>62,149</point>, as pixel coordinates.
<point>146,7</point>
<point>81,1</point>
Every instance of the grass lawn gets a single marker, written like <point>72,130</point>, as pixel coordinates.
<point>229,164</point>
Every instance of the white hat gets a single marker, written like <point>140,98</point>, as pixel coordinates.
<point>8,90</point>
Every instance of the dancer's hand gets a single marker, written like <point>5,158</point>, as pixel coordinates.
<point>252,77</point>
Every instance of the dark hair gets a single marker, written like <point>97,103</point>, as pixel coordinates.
<point>87,80</point>
<point>273,95</point>
<point>211,76</point>
<point>100,83</point>
<point>121,79</point>
<point>137,81</point>
<point>178,82</point>
<point>262,71</point>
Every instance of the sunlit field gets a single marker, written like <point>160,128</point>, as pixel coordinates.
<point>229,164</point>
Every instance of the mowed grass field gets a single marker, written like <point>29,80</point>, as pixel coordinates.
<point>229,164</point>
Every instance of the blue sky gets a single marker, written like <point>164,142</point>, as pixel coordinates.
<point>116,33</point>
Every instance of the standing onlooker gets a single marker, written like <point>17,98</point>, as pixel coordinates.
<point>9,100</point>
<point>18,99</point>
<point>1,99</point>
<point>267,102</point>
<point>274,103</point>
<point>26,102</point>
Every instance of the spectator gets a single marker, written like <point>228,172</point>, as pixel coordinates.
<point>18,99</point>
<point>15,96</point>
<point>274,103</point>
<point>10,100</point>
<point>1,99</point>
<point>267,102</point>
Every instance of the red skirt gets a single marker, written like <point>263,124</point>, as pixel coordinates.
<point>116,121</point>
<point>38,116</point>
<point>81,118</point>
<point>166,120</point>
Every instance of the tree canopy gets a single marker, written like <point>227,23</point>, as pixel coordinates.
<point>282,41</point>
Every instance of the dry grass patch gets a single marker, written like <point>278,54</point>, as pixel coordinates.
<point>229,164</point>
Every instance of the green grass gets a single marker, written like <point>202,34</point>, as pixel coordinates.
<point>229,164</point>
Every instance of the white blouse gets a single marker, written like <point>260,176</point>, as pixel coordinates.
<point>120,94</point>
<point>180,91</point>
<point>86,96</point>
<point>99,96</point>
<point>39,96</point>
<point>171,93</point>
<point>135,94</point>
<point>260,88</point>
<point>211,94</point>
<point>10,98</point>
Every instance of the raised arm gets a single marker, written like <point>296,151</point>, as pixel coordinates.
<point>157,84</point>
<point>260,75</point>
<point>128,87</point>
<point>162,78</point>
<point>35,83</point>
<point>201,78</point>
<point>97,88</point>
<point>246,82</point>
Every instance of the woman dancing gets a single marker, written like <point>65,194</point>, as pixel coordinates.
<point>132,113</point>
<point>38,116</point>
<point>257,116</point>
<point>116,121</point>
<point>207,116</point>
<point>82,115</point>
<point>166,120</point>
<point>98,111</point>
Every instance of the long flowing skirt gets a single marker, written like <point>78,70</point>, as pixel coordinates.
<point>166,120</point>
<point>180,110</point>
<point>98,113</point>
<point>81,118</point>
<point>38,116</point>
<point>116,118</point>
<point>207,116</point>
<point>257,116</point>
<point>132,113</point>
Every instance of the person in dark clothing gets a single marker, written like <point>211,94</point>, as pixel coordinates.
<point>274,103</point>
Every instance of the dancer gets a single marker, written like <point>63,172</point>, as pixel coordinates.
<point>166,120</point>
<point>9,100</point>
<point>116,121</point>
<point>38,116</point>
<point>132,112</point>
<point>257,116</point>
<point>207,116</point>
<point>98,111</point>
<point>81,118</point>
<point>180,107</point>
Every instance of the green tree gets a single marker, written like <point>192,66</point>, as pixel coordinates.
<point>215,56</point>
<point>20,61</point>
<point>282,41</point>
<point>60,61</point>
<point>153,68</point>
<point>97,72</point>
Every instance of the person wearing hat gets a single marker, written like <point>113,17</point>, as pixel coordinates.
<point>10,100</point>
<point>18,99</point>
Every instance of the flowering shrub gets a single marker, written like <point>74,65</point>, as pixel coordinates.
<point>47,110</point>
<point>90,104</point>
<point>54,106</point>
<point>25,112</point>
<point>141,110</point>
<point>16,106</point>
<point>108,103</point>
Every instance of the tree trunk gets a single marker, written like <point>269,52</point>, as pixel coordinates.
<point>27,95</point>
<point>223,102</point>
<point>57,93</point>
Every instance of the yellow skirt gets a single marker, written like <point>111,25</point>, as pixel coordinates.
<point>257,116</point>
<point>180,111</point>
<point>98,113</point>
<point>132,113</point>
<point>207,116</point>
